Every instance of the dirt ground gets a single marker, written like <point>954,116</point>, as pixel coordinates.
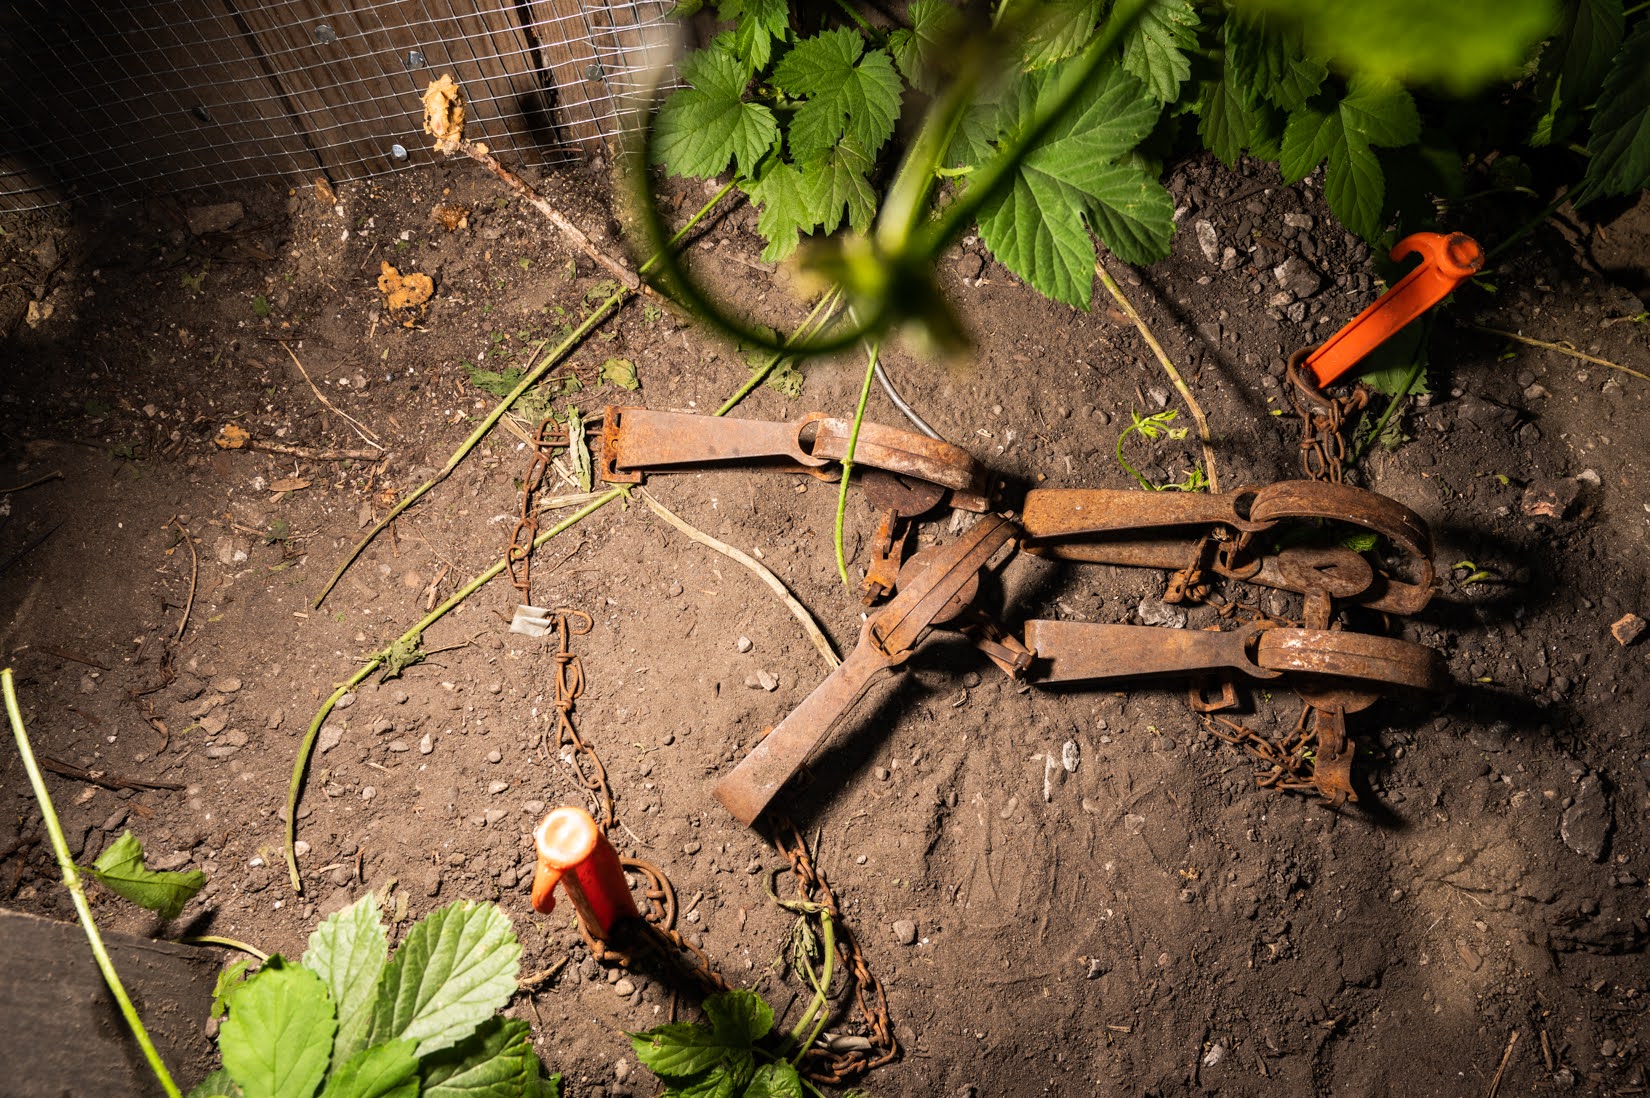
<point>1148,922</point>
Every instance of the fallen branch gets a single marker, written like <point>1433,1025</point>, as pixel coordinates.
<point>1563,347</point>
<point>800,612</point>
<point>107,781</point>
<point>55,474</point>
<point>1506,1056</point>
<point>1179,383</point>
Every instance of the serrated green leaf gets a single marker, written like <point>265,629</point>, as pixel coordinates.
<point>121,868</point>
<point>678,1049</point>
<point>760,22</point>
<point>496,1061</point>
<point>621,372</point>
<point>1037,227</point>
<point>1229,122</point>
<point>1270,63</point>
<point>1373,112</point>
<point>348,951</point>
<point>216,1085</point>
<point>1061,30</point>
<point>918,51</point>
<point>739,1017</point>
<point>782,196</point>
<point>839,186</point>
<point>1462,45</point>
<point>1579,55</point>
<point>721,1083</point>
<point>849,89</point>
<point>703,126</point>
<point>456,968</point>
<point>278,1037</point>
<point>389,1070</point>
<point>1154,47</point>
<point>776,1080</point>
<point>229,980</point>
<point>1619,143</point>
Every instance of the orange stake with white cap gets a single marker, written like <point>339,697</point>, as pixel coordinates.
<point>573,851</point>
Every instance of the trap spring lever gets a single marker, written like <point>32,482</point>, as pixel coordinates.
<point>636,441</point>
<point>934,587</point>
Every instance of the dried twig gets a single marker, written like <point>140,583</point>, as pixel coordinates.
<point>534,980</point>
<point>194,578</point>
<point>311,453</point>
<point>1168,367</point>
<point>809,627</point>
<point>107,781</point>
<point>524,190</point>
<point>1506,1056</point>
<point>366,436</point>
<point>55,474</point>
<point>1563,347</point>
<point>72,657</point>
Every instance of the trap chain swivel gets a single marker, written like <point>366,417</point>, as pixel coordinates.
<point>1252,535</point>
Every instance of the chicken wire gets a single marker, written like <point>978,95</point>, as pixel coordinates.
<point>115,100</point>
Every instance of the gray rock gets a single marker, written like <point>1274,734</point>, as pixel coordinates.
<point>766,681</point>
<point>426,744</point>
<point>905,932</point>
<point>1208,240</point>
<point>1158,612</point>
<point>328,738</point>
<point>1297,276</point>
<point>743,644</point>
<point>1585,825</point>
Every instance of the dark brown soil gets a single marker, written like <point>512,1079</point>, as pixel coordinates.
<point>1149,922</point>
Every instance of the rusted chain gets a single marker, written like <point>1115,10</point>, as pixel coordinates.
<point>519,557</point>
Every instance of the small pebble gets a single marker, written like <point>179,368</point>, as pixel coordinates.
<point>495,688</point>
<point>743,644</point>
<point>495,756</point>
<point>533,808</point>
<point>226,684</point>
<point>368,793</point>
<point>398,746</point>
<point>767,681</point>
<point>492,816</point>
<point>345,702</point>
<point>881,773</point>
<point>300,848</point>
<point>426,744</point>
<point>624,989</point>
<point>495,788</point>
<point>691,848</point>
<point>905,932</point>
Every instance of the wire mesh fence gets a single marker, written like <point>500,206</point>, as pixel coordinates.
<point>114,99</point>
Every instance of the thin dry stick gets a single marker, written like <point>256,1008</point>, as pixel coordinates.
<point>55,474</point>
<point>480,154</point>
<point>311,453</point>
<point>1495,1083</point>
<point>1168,367</point>
<point>1563,348</point>
<point>809,627</point>
<point>194,577</point>
<point>366,436</point>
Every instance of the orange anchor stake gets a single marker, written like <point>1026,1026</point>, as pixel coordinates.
<point>573,851</point>
<point>1446,262</point>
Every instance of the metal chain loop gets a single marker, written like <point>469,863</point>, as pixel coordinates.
<point>519,558</point>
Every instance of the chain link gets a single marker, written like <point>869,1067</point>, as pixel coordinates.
<point>519,558</point>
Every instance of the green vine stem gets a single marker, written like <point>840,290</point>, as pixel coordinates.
<point>407,642</point>
<point>818,1011</point>
<point>823,313</point>
<point>533,376</point>
<point>872,350</point>
<point>71,881</point>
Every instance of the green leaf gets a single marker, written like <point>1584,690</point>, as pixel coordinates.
<point>784,198</point>
<point>1229,122</point>
<point>1580,54</point>
<point>1062,29</point>
<point>678,1049</point>
<point>1037,228</point>
<point>456,968</point>
<point>1619,144</point>
<point>1462,45</point>
<point>121,868</point>
<point>703,126</point>
<point>389,1070</point>
<point>1373,112</point>
<point>1153,48</point>
<point>1270,63</point>
<point>1361,542</point>
<point>776,1080</point>
<point>348,951</point>
<point>278,1037</point>
<point>739,1017</point>
<point>229,980</point>
<point>839,185</point>
<point>918,51</point>
<point>1386,369</point>
<point>849,89</point>
<point>760,22</point>
<point>496,1061</point>
<point>216,1085</point>
<point>621,372</point>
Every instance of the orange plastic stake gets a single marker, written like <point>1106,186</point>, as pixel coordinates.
<point>1446,262</point>
<point>573,851</point>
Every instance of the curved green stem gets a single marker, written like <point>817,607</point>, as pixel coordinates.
<point>820,1005</point>
<point>872,350</point>
<point>411,637</point>
<point>227,943</point>
<point>71,881</point>
<point>824,311</point>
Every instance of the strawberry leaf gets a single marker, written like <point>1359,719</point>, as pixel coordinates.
<point>348,952</point>
<point>849,90</point>
<point>121,868</point>
<point>1153,48</point>
<point>706,124</point>
<point>457,966</point>
<point>278,1037</point>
